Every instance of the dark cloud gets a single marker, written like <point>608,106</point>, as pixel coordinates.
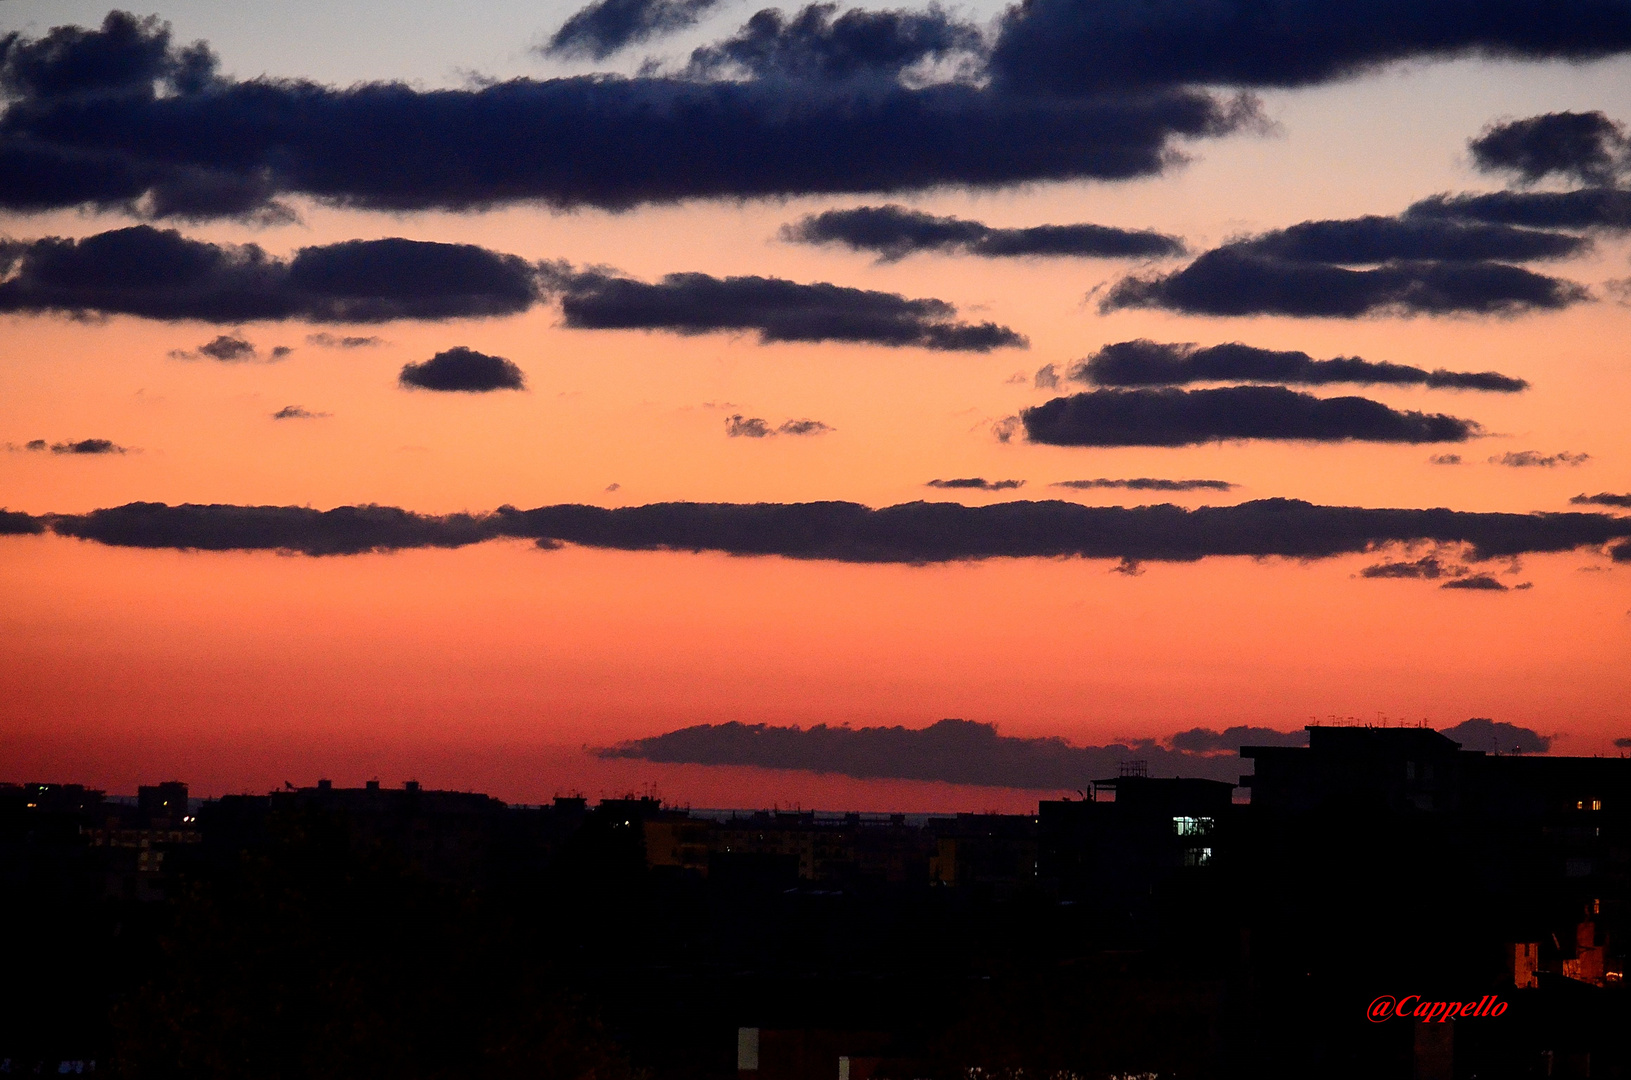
<point>1622,743</point>
<point>463,370</point>
<point>1621,552</point>
<point>895,232</point>
<point>1148,363</point>
<point>349,341</point>
<point>295,412</point>
<point>976,483</point>
<point>754,427</point>
<point>1482,733</point>
<point>280,351</point>
<point>779,310</point>
<point>950,751</point>
<point>226,347</point>
<point>88,446</point>
<point>1233,281</point>
<point>604,27</point>
<point>811,46</point>
<point>345,530</point>
<point>1068,47</point>
<point>220,147</point>
<point>1603,499</point>
<point>918,532</point>
<point>1046,378</point>
<point>1587,208</point>
<point>16,523</point>
<point>35,444</point>
<point>1588,147</point>
<point>1428,568</point>
<point>1444,459</point>
<point>159,274</point>
<point>1229,741</point>
<point>1167,417</point>
<point>1145,483</point>
<point>1534,459</point>
<point>1478,582</point>
<point>1412,264</point>
<point>1406,238</point>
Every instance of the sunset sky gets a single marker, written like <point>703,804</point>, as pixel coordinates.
<point>549,361</point>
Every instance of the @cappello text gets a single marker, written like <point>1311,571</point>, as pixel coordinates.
<point>1415,1007</point>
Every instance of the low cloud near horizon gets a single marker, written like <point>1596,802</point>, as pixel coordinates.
<point>966,752</point>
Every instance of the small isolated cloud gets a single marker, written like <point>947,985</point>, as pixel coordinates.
<point>753,427</point>
<point>84,446</point>
<point>1149,363</point>
<point>1047,378</point>
<point>1623,743</point>
<point>1429,568</point>
<point>1534,459</point>
<point>613,487</point>
<point>857,50</point>
<point>1603,498</point>
<point>349,341</point>
<point>295,412</point>
<point>1477,582</point>
<point>1482,733</point>
<point>229,349</point>
<point>1587,147</point>
<point>1146,483</point>
<point>226,347</point>
<point>463,370</point>
<point>1202,740</point>
<point>1169,417</point>
<point>895,232</point>
<point>777,309</point>
<point>976,483</point>
<point>1444,459</point>
<point>606,26</point>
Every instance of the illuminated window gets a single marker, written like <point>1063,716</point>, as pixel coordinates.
<point>1596,804</point>
<point>1198,856</point>
<point>1192,826</point>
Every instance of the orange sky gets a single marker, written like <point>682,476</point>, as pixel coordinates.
<point>491,667</point>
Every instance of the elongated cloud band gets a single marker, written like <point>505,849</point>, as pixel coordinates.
<point>1149,363</point>
<point>918,532</point>
<point>895,232</point>
<point>965,752</point>
<point>1169,417</point>
<point>160,274</point>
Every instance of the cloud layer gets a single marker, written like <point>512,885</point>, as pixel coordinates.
<point>894,232</point>
<point>917,532</point>
<point>121,118</point>
<point>1066,47</point>
<point>1148,363</point>
<point>1168,417</point>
